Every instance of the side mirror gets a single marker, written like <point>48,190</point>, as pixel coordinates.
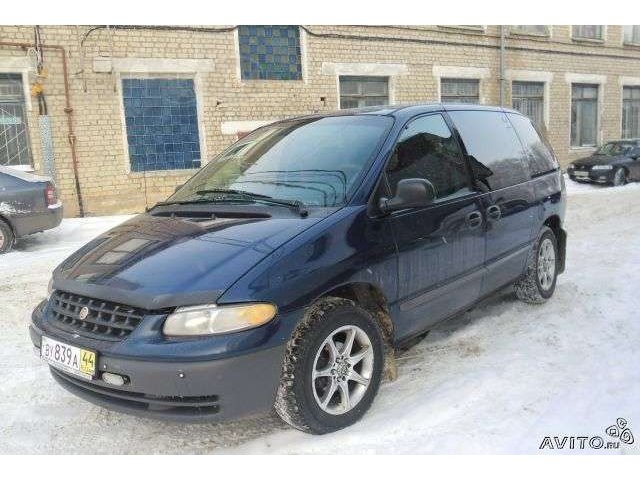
<point>635,153</point>
<point>410,193</point>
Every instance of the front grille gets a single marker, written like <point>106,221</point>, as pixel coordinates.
<point>104,320</point>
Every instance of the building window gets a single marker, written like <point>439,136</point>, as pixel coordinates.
<point>14,134</point>
<point>356,92</point>
<point>530,29</point>
<point>459,90</point>
<point>632,34</point>
<point>162,123</point>
<point>270,52</point>
<point>589,32</point>
<point>631,112</point>
<point>528,98</point>
<point>584,115</point>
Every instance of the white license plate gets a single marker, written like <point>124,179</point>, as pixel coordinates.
<point>74,360</point>
<point>581,174</point>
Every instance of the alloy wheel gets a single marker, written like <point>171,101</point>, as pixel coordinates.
<point>342,369</point>
<point>546,264</point>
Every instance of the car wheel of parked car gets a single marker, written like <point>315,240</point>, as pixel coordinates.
<point>539,280</point>
<point>619,177</point>
<point>6,237</point>
<point>332,368</point>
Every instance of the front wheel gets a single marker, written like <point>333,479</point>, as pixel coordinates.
<point>619,177</point>
<point>332,368</point>
<point>6,237</point>
<point>539,280</point>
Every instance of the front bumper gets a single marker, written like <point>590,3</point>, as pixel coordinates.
<point>188,391</point>
<point>592,176</point>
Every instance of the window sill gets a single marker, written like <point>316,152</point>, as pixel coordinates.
<point>529,34</point>
<point>595,41</point>
<point>164,173</point>
<point>631,44</point>
<point>22,168</point>
<point>465,28</point>
<point>583,148</point>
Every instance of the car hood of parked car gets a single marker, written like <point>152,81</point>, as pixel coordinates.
<point>598,159</point>
<point>158,261</point>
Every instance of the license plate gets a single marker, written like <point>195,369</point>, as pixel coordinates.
<point>581,174</point>
<point>74,360</point>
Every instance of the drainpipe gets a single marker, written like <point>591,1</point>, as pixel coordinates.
<point>68,110</point>
<point>502,65</point>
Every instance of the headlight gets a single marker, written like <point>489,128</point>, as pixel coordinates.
<point>601,167</point>
<point>214,319</point>
<point>571,166</point>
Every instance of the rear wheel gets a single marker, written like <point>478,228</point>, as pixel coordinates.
<point>332,368</point>
<point>6,237</point>
<point>619,177</point>
<point>539,280</point>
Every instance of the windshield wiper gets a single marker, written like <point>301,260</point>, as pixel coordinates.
<point>296,205</point>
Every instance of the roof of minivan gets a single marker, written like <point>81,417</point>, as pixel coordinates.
<point>405,111</point>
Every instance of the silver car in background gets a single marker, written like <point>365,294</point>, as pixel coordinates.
<point>28,204</point>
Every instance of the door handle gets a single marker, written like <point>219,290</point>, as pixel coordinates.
<point>474,219</point>
<point>494,213</point>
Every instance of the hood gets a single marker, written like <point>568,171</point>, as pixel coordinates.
<point>597,159</point>
<point>154,262</point>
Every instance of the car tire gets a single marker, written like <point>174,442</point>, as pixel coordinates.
<point>538,282</point>
<point>6,237</point>
<point>619,177</point>
<point>321,391</point>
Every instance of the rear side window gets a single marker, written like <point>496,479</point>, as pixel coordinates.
<point>427,149</point>
<point>496,155</point>
<point>540,156</point>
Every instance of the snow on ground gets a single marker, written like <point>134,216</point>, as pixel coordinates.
<point>495,380</point>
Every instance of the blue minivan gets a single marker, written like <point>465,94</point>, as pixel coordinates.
<point>285,273</point>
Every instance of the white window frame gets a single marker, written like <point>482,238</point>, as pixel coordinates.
<point>587,39</point>
<point>21,65</point>
<point>625,82</point>
<point>533,76</point>
<point>162,68</point>
<point>516,32</point>
<point>390,70</point>
<point>388,79</point>
<point>586,78</point>
<point>624,42</point>
<point>474,73</point>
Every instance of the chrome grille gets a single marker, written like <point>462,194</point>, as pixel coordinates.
<point>103,321</point>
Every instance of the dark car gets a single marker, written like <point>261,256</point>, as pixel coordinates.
<point>28,204</point>
<point>286,271</point>
<point>614,163</point>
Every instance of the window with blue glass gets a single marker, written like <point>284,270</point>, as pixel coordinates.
<point>270,52</point>
<point>162,123</point>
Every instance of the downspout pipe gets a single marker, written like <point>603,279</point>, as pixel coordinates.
<point>68,110</point>
<point>502,79</point>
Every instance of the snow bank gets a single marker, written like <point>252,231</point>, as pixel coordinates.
<point>496,380</point>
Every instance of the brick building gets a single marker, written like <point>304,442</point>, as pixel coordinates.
<point>139,107</point>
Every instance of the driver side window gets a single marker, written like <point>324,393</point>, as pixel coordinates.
<point>427,149</point>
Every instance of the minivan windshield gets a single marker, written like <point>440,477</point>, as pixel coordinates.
<point>316,161</point>
<point>614,148</point>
